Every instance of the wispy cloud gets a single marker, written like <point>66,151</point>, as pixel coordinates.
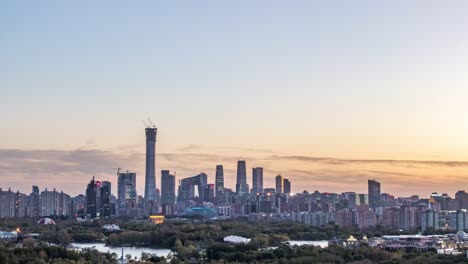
<point>71,169</point>
<point>253,150</point>
<point>338,161</point>
<point>189,147</point>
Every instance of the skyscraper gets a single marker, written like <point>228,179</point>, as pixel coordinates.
<point>187,189</point>
<point>242,187</point>
<point>257,180</point>
<point>91,199</point>
<point>279,184</point>
<point>126,190</point>
<point>286,186</point>
<point>374,193</point>
<point>105,198</point>
<point>219,180</point>
<point>167,187</point>
<point>150,178</point>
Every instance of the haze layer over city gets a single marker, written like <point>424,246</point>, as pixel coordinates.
<point>326,95</point>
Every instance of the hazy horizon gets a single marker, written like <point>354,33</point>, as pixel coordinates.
<point>328,94</point>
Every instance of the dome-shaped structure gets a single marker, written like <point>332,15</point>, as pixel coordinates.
<point>236,240</point>
<point>461,235</point>
<point>46,221</point>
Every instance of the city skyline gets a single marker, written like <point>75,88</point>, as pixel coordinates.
<point>328,95</point>
<point>270,179</point>
<point>321,182</point>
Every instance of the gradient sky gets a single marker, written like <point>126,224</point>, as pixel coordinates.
<point>327,93</point>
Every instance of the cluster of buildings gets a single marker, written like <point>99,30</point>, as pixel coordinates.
<point>192,192</point>
<point>405,214</point>
<point>36,204</point>
<point>195,195</point>
<point>455,243</point>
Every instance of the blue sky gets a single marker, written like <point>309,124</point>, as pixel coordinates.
<point>347,79</point>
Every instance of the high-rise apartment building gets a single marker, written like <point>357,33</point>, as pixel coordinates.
<point>20,204</point>
<point>33,209</point>
<point>429,220</point>
<point>257,180</point>
<point>64,204</point>
<point>7,203</point>
<point>279,184</point>
<point>54,203</point>
<point>351,199</point>
<point>364,217</point>
<point>374,193</point>
<point>407,218</point>
<point>79,205</point>
<point>150,177</point>
<point>461,200</point>
<point>167,188</point>
<point>49,202</point>
<point>241,186</point>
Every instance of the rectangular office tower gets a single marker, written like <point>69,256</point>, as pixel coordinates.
<point>286,186</point>
<point>126,190</point>
<point>374,193</point>
<point>241,186</point>
<point>167,187</point>
<point>91,191</point>
<point>279,184</point>
<point>257,180</point>
<point>150,177</point>
<point>106,191</point>
<point>219,180</point>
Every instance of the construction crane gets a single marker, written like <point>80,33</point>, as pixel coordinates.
<point>148,123</point>
<point>151,122</point>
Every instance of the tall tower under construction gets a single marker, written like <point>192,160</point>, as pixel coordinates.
<point>150,177</point>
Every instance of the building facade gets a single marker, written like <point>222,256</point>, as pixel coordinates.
<point>150,177</point>
<point>374,194</point>
<point>241,186</point>
<point>286,186</point>
<point>279,184</point>
<point>219,181</point>
<point>168,194</point>
<point>257,180</point>
<point>126,190</point>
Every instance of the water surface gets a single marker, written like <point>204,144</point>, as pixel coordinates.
<point>134,251</point>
